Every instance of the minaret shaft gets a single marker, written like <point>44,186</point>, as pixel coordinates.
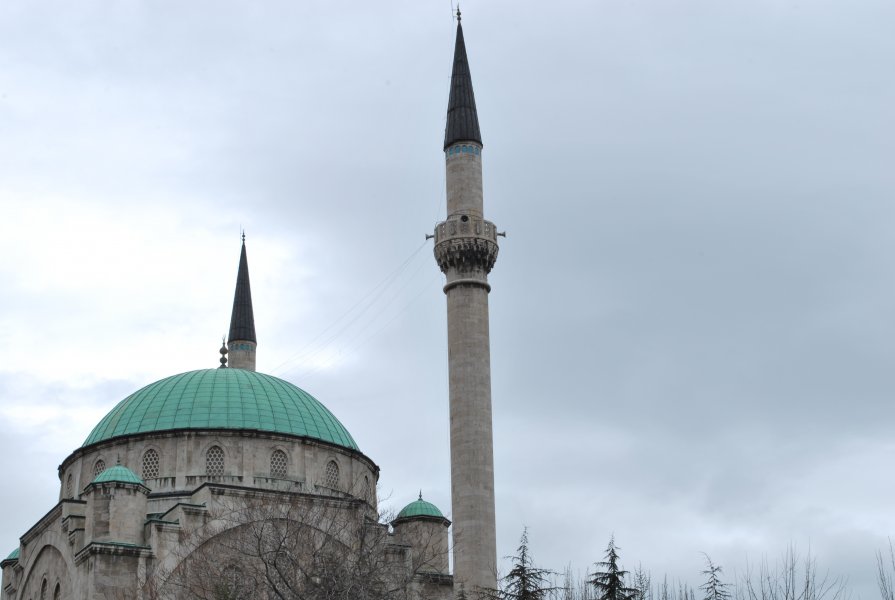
<point>472,460</point>
<point>464,181</point>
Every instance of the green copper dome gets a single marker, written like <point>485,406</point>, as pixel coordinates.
<point>420,508</point>
<point>222,399</point>
<point>14,555</point>
<point>118,473</point>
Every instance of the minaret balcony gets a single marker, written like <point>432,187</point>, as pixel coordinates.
<point>465,246</point>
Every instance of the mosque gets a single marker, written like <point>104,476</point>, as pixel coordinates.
<point>230,483</point>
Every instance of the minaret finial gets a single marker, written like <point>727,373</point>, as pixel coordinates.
<point>421,494</point>
<point>223,352</point>
<point>243,237</point>
<point>458,13</point>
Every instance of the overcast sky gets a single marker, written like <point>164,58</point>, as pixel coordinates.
<point>691,315</point>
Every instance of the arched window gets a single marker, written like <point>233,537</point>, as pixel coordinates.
<point>150,464</point>
<point>214,462</point>
<point>368,490</point>
<point>331,475</point>
<point>278,462</point>
<point>57,593</point>
<point>43,589</point>
<point>99,467</point>
<point>69,486</point>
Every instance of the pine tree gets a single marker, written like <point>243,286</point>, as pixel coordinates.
<point>713,587</point>
<point>525,581</point>
<point>609,579</point>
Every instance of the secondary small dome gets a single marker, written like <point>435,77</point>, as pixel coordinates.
<point>222,399</point>
<point>118,473</point>
<point>420,508</point>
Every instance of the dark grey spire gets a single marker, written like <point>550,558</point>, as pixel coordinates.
<point>462,118</point>
<point>242,320</point>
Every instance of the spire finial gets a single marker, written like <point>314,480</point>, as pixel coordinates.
<point>223,352</point>
<point>458,13</point>
<point>421,494</point>
<point>243,237</point>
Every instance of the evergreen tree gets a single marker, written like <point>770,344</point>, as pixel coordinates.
<point>609,579</point>
<point>713,588</point>
<point>525,581</point>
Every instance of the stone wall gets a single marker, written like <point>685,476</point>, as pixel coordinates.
<point>182,463</point>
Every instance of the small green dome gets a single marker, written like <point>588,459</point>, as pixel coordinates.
<point>14,555</point>
<point>118,473</point>
<point>420,508</point>
<point>222,399</point>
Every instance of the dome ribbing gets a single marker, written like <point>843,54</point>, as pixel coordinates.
<point>222,399</point>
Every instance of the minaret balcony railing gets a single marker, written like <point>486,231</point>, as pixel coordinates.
<point>465,226</point>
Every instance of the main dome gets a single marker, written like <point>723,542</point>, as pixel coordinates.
<point>222,399</point>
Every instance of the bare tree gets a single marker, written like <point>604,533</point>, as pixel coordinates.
<point>293,547</point>
<point>575,587</point>
<point>642,582</point>
<point>790,578</point>
<point>885,569</point>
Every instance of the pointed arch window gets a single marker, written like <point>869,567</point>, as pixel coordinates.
<point>278,462</point>
<point>57,593</point>
<point>43,589</point>
<point>214,462</point>
<point>69,485</point>
<point>150,464</point>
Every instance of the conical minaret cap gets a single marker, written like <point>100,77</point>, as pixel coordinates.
<point>242,320</point>
<point>462,118</point>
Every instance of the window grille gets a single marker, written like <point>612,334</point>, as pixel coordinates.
<point>150,464</point>
<point>99,467</point>
<point>278,464</point>
<point>214,462</point>
<point>331,475</point>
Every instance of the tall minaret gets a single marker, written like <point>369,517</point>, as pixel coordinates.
<point>241,342</point>
<point>466,248</point>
